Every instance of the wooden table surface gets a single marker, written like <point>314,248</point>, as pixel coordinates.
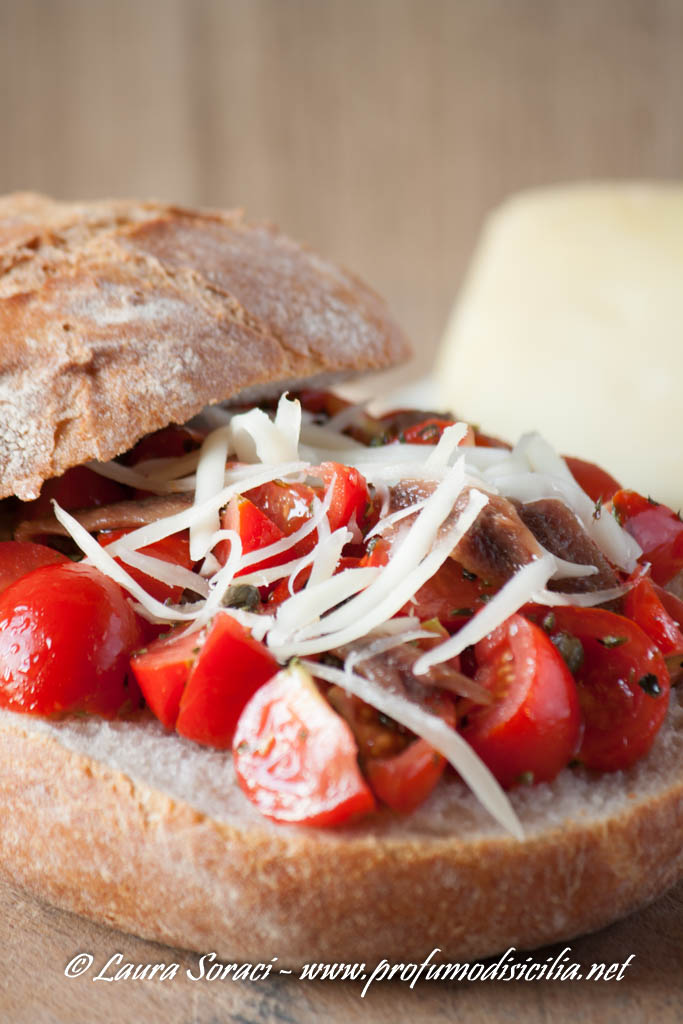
<point>38,942</point>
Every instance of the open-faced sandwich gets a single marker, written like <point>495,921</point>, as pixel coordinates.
<point>283,678</point>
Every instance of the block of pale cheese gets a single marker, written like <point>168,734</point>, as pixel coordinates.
<point>570,321</point>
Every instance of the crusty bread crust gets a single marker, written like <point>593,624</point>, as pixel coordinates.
<point>119,317</point>
<point>115,846</point>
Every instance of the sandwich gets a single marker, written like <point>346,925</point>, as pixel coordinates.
<point>282,678</point>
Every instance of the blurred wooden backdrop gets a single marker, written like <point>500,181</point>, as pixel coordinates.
<point>378,130</point>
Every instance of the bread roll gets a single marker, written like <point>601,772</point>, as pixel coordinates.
<point>118,317</point>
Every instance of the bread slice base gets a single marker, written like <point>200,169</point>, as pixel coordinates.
<point>191,863</point>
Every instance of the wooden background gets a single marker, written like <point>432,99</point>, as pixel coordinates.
<point>381,131</point>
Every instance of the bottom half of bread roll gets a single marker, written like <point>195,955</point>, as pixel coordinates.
<point>129,825</point>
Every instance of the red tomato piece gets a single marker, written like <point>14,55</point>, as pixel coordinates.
<point>295,758</point>
<point>377,553</point>
<point>79,487</point>
<point>289,506</point>
<point>255,529</point>
<point>162,670</point>
<point>230,667</point>
<point>174,549</point>
<point>19,558</point>
<point>350,498</point>
<point>66,634</point>
<point>643,604</point>
<point>598,484</point>
<point>658,530</point>
<point>532,728</point>
<point>673,604</point>
<point>452,596</point>
<point>429,431</point>
<point>404,781</point>
<point>623,686</point>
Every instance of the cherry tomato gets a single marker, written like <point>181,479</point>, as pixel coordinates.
<point>350,498</point>
<point>595,481</point>
<point>18,558</point>
<point>230,668</point>
<point>289,506</point>
<point>198,683</point>
<point>404,781</point>
<point>174,549</point>
<point>377,552</point>
<point>623,686</point>
<point>162,670</point>
<point>256,531</point>
<point>452,596</point>
<point>295,758</point>
<point>644,605</point>
<point>66,633</point>
<point>79,487</point>
<point>658,530</point>
<point>532,728</point>
<point>428,431</point>
<point>673,604</point>
<point>414,425</point>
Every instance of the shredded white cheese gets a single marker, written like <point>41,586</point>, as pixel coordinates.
<point>360,604</point>
<point>437,733</point>
<point>517,591</point>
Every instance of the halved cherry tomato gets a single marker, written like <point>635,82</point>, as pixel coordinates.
<point>66,634</point>
<point>289,506</point>
<point>598,484</point>
<point>643,604</point>
<point>174,549</point>
<point>230,668</point>
<point>404,781</point>
<point>377,552</point>
<point>350,496</point>
<point>162,670</point>
<point>429,431</point>
<point>198,683</point>
<point>255,529</point>
<point>295,758</point>
<point>78,487</point>
<point>532,728</point>
<point>658,530</point>
<point>452,596</point>
<point>672,603</point>
<point>623,686</point>
<point>19,558</point>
